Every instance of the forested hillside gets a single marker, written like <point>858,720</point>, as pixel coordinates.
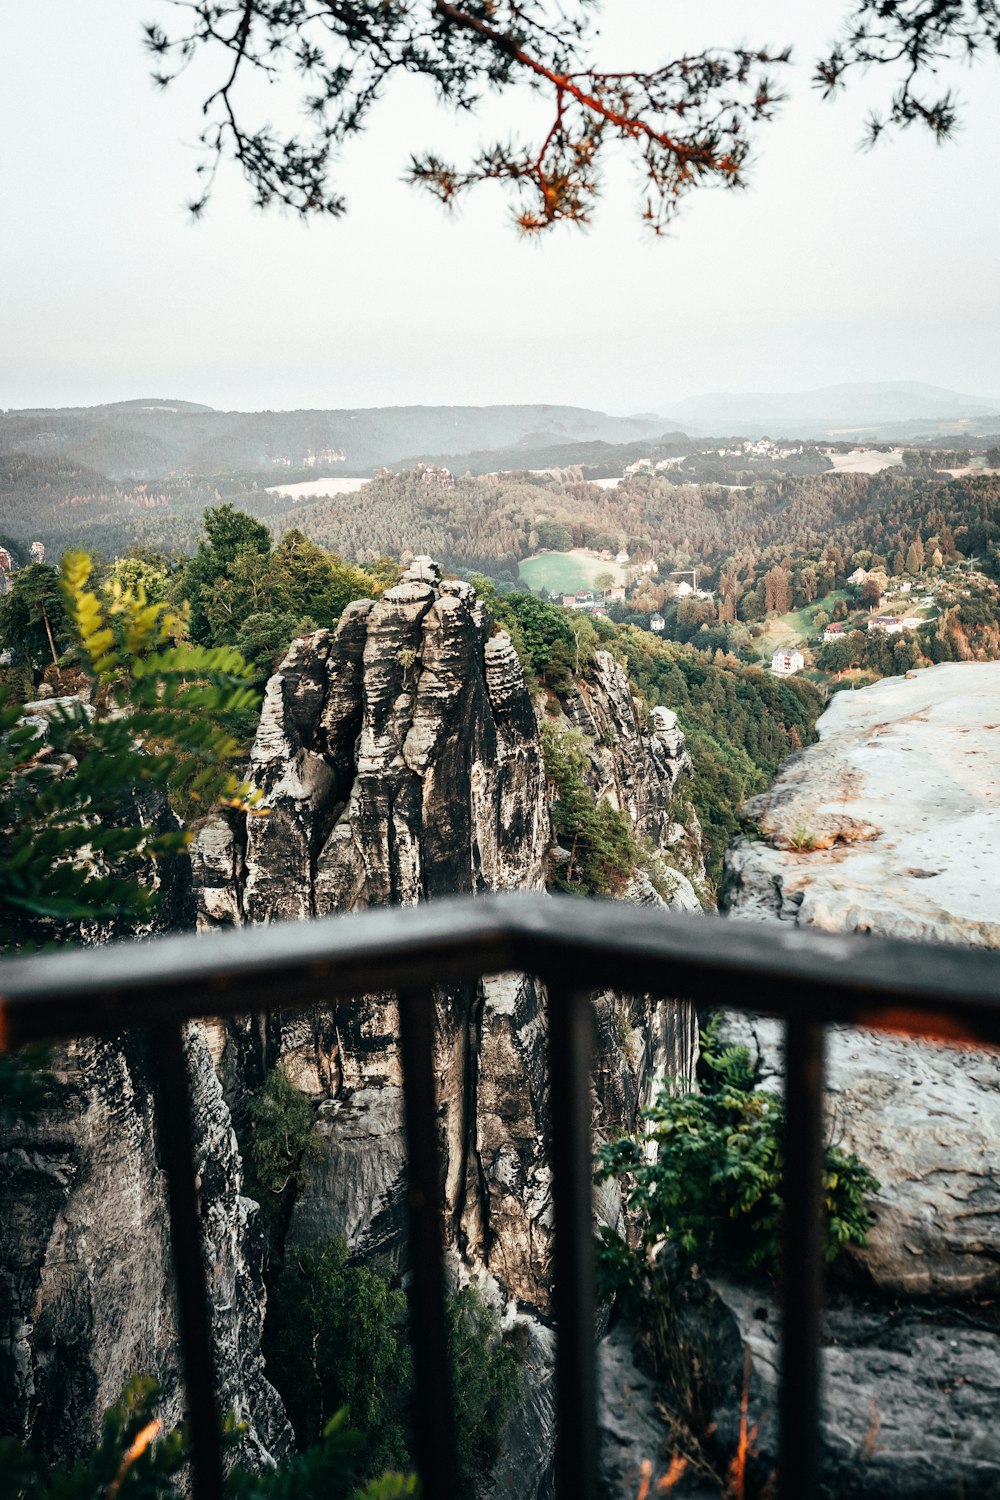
<point>64,504</point>
<point>150,439</point>
<point>487,523</point>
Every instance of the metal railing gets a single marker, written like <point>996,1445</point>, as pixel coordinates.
<point>576,948</point>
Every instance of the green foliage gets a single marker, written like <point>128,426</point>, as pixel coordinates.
<point>136,1459</point>
<point>332,1339</point>
<point>278,1139</point>
<point>336,1337</point>
<point>484,1380</point>
<point>130,1460</point>
<point>23,1081</point>
<point>602,850</point>
<point>716,1182</point>
<point>71,846</point>
<point>33,623</point>
<point>241,590</point>
<point>740,724</point>
<point>542,632</point>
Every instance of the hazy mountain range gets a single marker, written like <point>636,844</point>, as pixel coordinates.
<point>896,408</point>
<point>151,438</point>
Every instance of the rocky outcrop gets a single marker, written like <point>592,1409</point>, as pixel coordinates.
<point>86,1279</point>
<point>85,1273</point>
<point>400,760</point>
<point>890,825</point>
<point>641,769</point>
<point>909,1392</point>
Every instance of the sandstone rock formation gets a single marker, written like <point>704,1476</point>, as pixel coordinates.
<point>401,760</point>
<point>906,781</point>
<point>642,772</point>
<point>891,823</point>
<point>85,1271</point>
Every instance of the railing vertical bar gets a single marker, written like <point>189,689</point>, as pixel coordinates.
<point>571,1055</point>
<point>176,1141</point>
<point>802,1264</point>
<point>434,1435</point>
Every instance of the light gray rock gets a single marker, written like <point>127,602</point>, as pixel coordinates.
<point>909,1395</point>
<point>899,801</point>
<point>926,1120</point>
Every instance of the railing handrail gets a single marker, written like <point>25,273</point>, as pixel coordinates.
<point>577,947</point>
<point>932,989</point>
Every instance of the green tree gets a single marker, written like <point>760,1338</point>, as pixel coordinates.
<point>233,543</point>
<point>915,557</point>
<point>139,576</point>
<point>34,626</point>
<point>70,791</point>
<point>332,1340</point>
<point>715,1183</point>
<point>597,837</point>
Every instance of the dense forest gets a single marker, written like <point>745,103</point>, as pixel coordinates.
<point>472,522</point>
<point>63,503</point>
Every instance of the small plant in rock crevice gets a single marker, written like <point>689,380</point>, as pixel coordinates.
<point>277,1142</point>
<point>715,1184</point>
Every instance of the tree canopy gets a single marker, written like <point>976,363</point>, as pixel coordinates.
<point>689,120</point>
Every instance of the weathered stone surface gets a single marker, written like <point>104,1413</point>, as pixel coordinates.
<point>909,1394</point>
<point>891,823</point>
<point>415,771</point>
<point>639,769</point>
<point>918,758</point>
<point>85,1275</point>
<point>926,1120</point>
<point>900,799</point>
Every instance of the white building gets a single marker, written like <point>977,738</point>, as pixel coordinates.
<point>657,622</point>
<point>885,625</point>
<point>622,556</point>
<point>786,663</point>
<point>858,576</point>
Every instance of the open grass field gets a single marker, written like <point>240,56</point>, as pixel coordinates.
<point>566,572</point>
<point>797,627</point>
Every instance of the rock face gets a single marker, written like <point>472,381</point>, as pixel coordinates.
<point>891,823</point>
<point>902,799</point>
<point>85,1266</point>
<point>641,771</point>
<point>401,760</point>
<point>85,1274</point>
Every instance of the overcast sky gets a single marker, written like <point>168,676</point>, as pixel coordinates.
<point>835,265</point>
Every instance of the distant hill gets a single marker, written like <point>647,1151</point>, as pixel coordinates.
<point>886,409</point>
<point>152,438</point>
